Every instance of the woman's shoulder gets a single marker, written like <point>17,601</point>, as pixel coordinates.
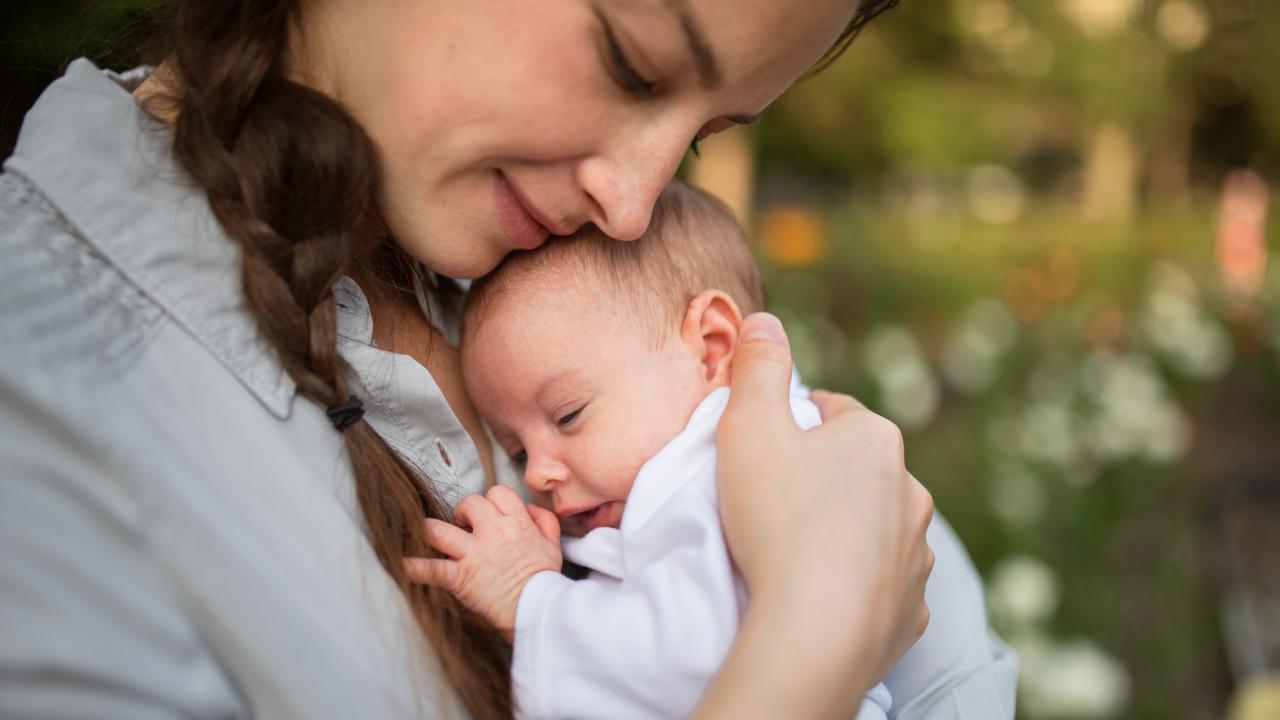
<point>64,308</point>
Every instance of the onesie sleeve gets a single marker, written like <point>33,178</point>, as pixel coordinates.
<point>643,647</point>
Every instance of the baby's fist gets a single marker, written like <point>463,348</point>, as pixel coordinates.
<point>488,567</point>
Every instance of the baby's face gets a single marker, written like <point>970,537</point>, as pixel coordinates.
<point>579,392</point>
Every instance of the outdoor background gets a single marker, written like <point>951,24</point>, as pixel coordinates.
<point>1035,234</point>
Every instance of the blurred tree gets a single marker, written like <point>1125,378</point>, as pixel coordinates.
<point>38,39</point>
<point>1110,103</point>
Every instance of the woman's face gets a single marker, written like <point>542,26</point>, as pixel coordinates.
<point>501,122</point>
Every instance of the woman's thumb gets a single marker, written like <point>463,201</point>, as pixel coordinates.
<point>761,375</point>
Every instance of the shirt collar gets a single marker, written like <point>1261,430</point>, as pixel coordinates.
<point>108,168</point>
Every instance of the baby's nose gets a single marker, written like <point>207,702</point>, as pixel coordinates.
<point>542,475</point>
<point>537,483</point>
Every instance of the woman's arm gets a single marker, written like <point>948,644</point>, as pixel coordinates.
<point>819,633</point>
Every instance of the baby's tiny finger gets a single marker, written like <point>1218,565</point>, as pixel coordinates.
<point>448,539</point>
<point>432,571</point>
<point>546,521</point>
<point>473,509</point>
<point>505,499</point>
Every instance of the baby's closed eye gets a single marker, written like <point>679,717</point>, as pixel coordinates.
<point>568,418</point>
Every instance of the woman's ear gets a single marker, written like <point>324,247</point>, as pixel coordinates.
<point>710,330</point>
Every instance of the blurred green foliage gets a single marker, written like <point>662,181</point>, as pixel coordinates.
<point>1053,171</point>
<point>38,39</point>
<point>943,85</point>
<point>1019,211</point>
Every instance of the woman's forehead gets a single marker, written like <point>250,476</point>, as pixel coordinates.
<point>764,44</point>
<point>802,30</point>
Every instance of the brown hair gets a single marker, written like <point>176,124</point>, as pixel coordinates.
<point>693,244</point>
<point>866,12</point>
<point>291,177</point>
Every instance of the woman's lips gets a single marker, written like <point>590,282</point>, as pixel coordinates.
<point>520,227</point>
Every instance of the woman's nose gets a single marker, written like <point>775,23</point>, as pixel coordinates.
<point>624,182</point>
<point>542,473</point>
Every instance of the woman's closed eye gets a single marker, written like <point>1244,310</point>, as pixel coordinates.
<point>620,66</point>
<point>625,74</point>
<point>520,457</point>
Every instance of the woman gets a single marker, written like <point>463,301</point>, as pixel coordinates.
<point>185,538</point>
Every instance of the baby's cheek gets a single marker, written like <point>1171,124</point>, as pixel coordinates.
<point>629,457</point>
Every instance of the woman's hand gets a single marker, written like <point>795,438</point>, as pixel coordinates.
<point>827,527</point>
<point>487,568</point>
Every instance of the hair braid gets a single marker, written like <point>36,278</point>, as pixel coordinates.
<point>291,176</point>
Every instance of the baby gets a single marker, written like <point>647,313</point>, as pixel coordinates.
<point>603,367</point>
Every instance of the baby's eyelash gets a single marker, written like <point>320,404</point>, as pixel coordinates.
<point>697,150</point>
<point>562,422</point>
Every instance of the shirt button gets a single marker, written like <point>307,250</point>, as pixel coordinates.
<point>444,454</point>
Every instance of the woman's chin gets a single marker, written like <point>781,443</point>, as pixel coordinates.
<point>447,244</point>
<point>454,258</point>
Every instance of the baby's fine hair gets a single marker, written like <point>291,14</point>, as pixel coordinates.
<point>693,244</point>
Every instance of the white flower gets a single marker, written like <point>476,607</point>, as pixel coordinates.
<point>1048,433</point>
<point>1175,323</point>
<point>971,359</point>
<point>1017,495</point>
<point>1169,436</point>
<point>1133,414</point>
<point>1074,679</point>
<point>908,388</point>
<point>1023,592</point>
<point>996,194</point>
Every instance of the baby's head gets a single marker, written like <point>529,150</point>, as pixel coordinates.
<point>587,355</point>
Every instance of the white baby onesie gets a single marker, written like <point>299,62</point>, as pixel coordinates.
<point>644,634</point>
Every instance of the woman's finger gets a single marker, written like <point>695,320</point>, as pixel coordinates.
<point>923,501</point>
<point>922,624</point>
<point>473,509</point>
<point>436,572</point>
<point>546,521</point>
<point>448,539</point>
<point>506,500</point>
<point>833,404</point>
<point>761,374</point>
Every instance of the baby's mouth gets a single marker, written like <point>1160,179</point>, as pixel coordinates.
<point>584,521</point>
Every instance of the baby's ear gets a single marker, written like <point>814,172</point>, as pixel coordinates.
<point>710,329</point>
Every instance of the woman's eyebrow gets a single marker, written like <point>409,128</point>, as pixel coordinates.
<point>703,58</point>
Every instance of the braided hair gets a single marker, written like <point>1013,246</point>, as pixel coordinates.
<point>291,178</point>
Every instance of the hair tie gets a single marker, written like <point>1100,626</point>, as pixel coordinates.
<point>347,414</point>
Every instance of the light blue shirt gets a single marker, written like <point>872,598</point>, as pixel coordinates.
<point>179,531</point>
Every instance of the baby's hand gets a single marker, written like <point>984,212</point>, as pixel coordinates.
<point>487,568</point>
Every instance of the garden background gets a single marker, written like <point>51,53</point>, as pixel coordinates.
<point>1035,234</point>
